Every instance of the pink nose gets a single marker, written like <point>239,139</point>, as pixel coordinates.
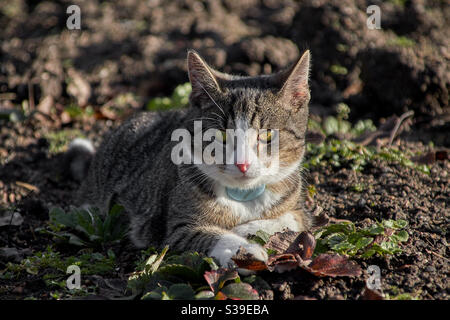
<point>243,167</point>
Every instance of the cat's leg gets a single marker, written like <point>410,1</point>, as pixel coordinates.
<point>215,242</point>
<point>291,220</point>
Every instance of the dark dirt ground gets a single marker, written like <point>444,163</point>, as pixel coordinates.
<point>129,51</point>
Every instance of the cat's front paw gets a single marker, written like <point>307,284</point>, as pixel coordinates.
<point>228,245</point>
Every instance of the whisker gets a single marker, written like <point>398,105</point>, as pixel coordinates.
<point>212,99</point>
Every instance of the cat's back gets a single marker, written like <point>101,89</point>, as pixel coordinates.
<point>126,153</point>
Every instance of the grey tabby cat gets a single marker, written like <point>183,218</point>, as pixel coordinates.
<point>189,206</point>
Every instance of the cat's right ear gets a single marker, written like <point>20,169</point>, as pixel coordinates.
<point>204,83</point>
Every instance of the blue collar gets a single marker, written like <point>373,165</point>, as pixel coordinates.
<point>245,195</point>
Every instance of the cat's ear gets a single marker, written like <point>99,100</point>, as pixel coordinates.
<point>295,87</point>
<point>204,83</point>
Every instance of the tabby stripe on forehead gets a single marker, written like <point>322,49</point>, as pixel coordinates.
<point>255,113</point>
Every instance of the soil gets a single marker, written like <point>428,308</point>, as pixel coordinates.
<point>130,51</point>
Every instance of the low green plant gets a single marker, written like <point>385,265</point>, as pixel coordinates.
<point>178,99</point>
<point>382,238</point>
<point>86,226</point>
<point>338,153</point>
<point>338,69</point>
<point>59,140</point>
<point>340,124</point>
<point>55,265</point>
<point>75,111</point>
<point>344,153</point>
<point>402,41</point>
<point>186,276</point>
<point>397,294</point>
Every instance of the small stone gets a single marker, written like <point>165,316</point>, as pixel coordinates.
<point>10,254</point>
<point>430,269</point>
<point>362,202</point>
<point>8,218</point>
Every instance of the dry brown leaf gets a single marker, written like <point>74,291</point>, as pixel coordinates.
<point>295,250</point>
<point>431,157</point>
<point>246,260</point>
<point>281,242</point>
<point>333,265</point>
<point>369,294</point>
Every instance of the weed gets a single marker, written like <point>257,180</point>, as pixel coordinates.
<point>178,99</point>
<point>402,41</point>
<point>87,227</point>
<point>187,276</point>
<point>89,262</point>
<point>75,111</point>
<point>59,140</point>
<point>382,238</point>
<point>344,153</point>
<point>338,69</point>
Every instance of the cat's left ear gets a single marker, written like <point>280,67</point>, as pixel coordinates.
<point>295,89</point>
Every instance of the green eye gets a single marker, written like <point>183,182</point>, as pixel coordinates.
<point>266,137</point>
<point>221,135</point>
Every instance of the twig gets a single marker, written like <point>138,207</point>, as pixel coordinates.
<point>400,120</point>
<point>437,255</point>
<point>27,186</point>
<point>30,95</point>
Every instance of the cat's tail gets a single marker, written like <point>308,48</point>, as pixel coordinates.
<point>79,157</point>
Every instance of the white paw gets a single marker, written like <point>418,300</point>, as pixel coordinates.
<point>229,244</point>
<point>268,225</point>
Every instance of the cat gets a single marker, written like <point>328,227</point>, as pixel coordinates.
<point>202,207</point>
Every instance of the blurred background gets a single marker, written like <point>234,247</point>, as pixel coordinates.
<point>130,51</point>
<point>379,127</point>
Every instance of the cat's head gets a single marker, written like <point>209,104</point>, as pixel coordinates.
<point>269,113</point>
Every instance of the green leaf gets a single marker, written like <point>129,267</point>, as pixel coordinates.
<point>156,294</point>
<point>57,215</point>
<point>179,271</point>
<point>400,236</point>
<point>342,247</point>
<point>375,230</point>
<point>205,295</point>
<point>335,239</point>
<point>240,291</point>
<point>400,224</point>
<point>153,263</point>
<point>75,240</point>
<point>388,224</point>
<point>181,291</point>
<point>390,247</point>
<point>211,263</point>
<point>263,235</point>
<point>217,278</point>
<point>363,242</point>
<point>369,253</point>
<point>331,125</point>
